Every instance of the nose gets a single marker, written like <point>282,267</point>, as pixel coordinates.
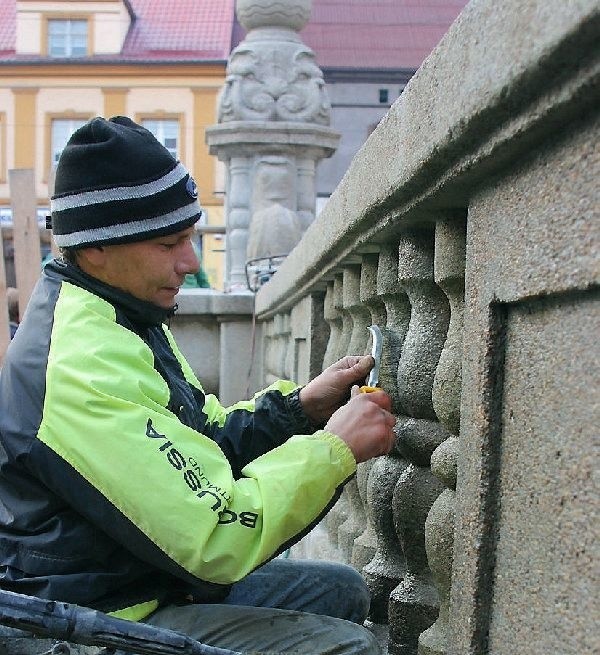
<point>187,261</point>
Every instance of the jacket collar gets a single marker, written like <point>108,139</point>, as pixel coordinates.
<point>138,311</point>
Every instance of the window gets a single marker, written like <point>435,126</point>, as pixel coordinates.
<point>383,96</point>
<point>67,38</point>
<point>62,128</point>
<point>166,131</point>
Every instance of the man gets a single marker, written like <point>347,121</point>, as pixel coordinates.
<point>123,486</point>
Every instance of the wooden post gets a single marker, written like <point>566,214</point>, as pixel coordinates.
<point>26,233</point>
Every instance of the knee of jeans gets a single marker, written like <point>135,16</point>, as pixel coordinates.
<point>355,590</point>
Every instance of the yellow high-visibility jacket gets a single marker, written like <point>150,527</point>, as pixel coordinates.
<point>123,486</point>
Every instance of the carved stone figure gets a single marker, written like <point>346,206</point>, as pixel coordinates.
<point>274,227</point>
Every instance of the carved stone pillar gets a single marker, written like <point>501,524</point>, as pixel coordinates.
<point>237,210</point>
<point>306,191</point>
<point>274,113</point>
<point>439,526</point>
<point>413,605</point>
<point>387,567</point>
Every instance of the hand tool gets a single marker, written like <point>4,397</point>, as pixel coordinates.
<point>373,379</point>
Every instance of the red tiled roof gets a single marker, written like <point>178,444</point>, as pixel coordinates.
<point>343,33</point>
<point>377,33</point>
<point>8,26</point>
<point>173,30</point>
<point>180,29</point>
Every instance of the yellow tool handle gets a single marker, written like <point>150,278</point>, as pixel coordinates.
<point>365,389</point>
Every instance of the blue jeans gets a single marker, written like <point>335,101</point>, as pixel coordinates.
<point>285,607</point>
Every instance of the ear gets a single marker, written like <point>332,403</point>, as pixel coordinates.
<point>93,257</point>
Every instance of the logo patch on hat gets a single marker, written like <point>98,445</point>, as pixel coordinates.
<point>191,188</point>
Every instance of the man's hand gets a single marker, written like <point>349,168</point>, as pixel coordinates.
<point>325,394</point>
<point>365,424</point>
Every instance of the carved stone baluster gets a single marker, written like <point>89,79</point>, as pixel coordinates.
<point>366,543</point>
<point>354,525</point>
<point>333,315</point>
<point>413,605</point>
<point>398,317</point>
<point>439,526</point>
<point>338,303</point>
<point>334,318</point>
<point>387,567</point>
<point>280,348</point>
<point>287,372</point>
<point>361,316</point>
<point>270,373</point>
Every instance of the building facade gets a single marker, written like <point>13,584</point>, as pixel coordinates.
<point>63,62</point>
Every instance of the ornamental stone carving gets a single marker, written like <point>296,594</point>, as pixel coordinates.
<point>272,75</point>
<point>273,122</point>
<point>293,14</point>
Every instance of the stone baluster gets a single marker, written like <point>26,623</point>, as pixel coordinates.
<point>279,345</point>
<point>333,317</point>
<point>439,527</point>
<point>366,543</point>
<point>414,603</point>
<point>270,357</point>
<point>361,316</point>
<point>338,303</point>
<point>354,525</point>
<point>387,567</point>
<point>287,369</point>
<point>398,311</point>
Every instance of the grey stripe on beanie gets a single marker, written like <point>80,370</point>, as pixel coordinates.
<point>116,183</point>
<point>87,198</point>
<point>121,232</point>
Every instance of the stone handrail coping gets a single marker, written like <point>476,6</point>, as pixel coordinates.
<point>504,77</point>
<point>215,303</point>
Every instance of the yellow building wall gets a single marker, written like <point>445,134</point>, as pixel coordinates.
<point>31,96</point>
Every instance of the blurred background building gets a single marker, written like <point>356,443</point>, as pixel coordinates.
<point>163,64</point>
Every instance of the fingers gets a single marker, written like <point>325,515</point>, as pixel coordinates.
<point>359,364</point>
<point>380,398</point>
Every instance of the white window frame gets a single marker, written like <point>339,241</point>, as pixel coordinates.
<point>166,131</point>
<point>68,41</point>
<point>59,138</point>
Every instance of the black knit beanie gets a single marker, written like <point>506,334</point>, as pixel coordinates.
<point>115,183</point>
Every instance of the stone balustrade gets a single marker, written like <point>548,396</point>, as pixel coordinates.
<point>465,228</point>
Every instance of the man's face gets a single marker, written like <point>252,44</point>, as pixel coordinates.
<point>150,270</point>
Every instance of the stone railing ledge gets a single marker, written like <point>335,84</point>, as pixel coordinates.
<point>473,107</point>
<point>210,301</point>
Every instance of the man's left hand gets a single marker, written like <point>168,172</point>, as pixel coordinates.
<point>325,394</point>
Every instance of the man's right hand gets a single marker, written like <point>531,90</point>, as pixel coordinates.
<point>366,424</point>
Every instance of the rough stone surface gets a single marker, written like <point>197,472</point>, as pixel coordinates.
<point>527,518</point>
